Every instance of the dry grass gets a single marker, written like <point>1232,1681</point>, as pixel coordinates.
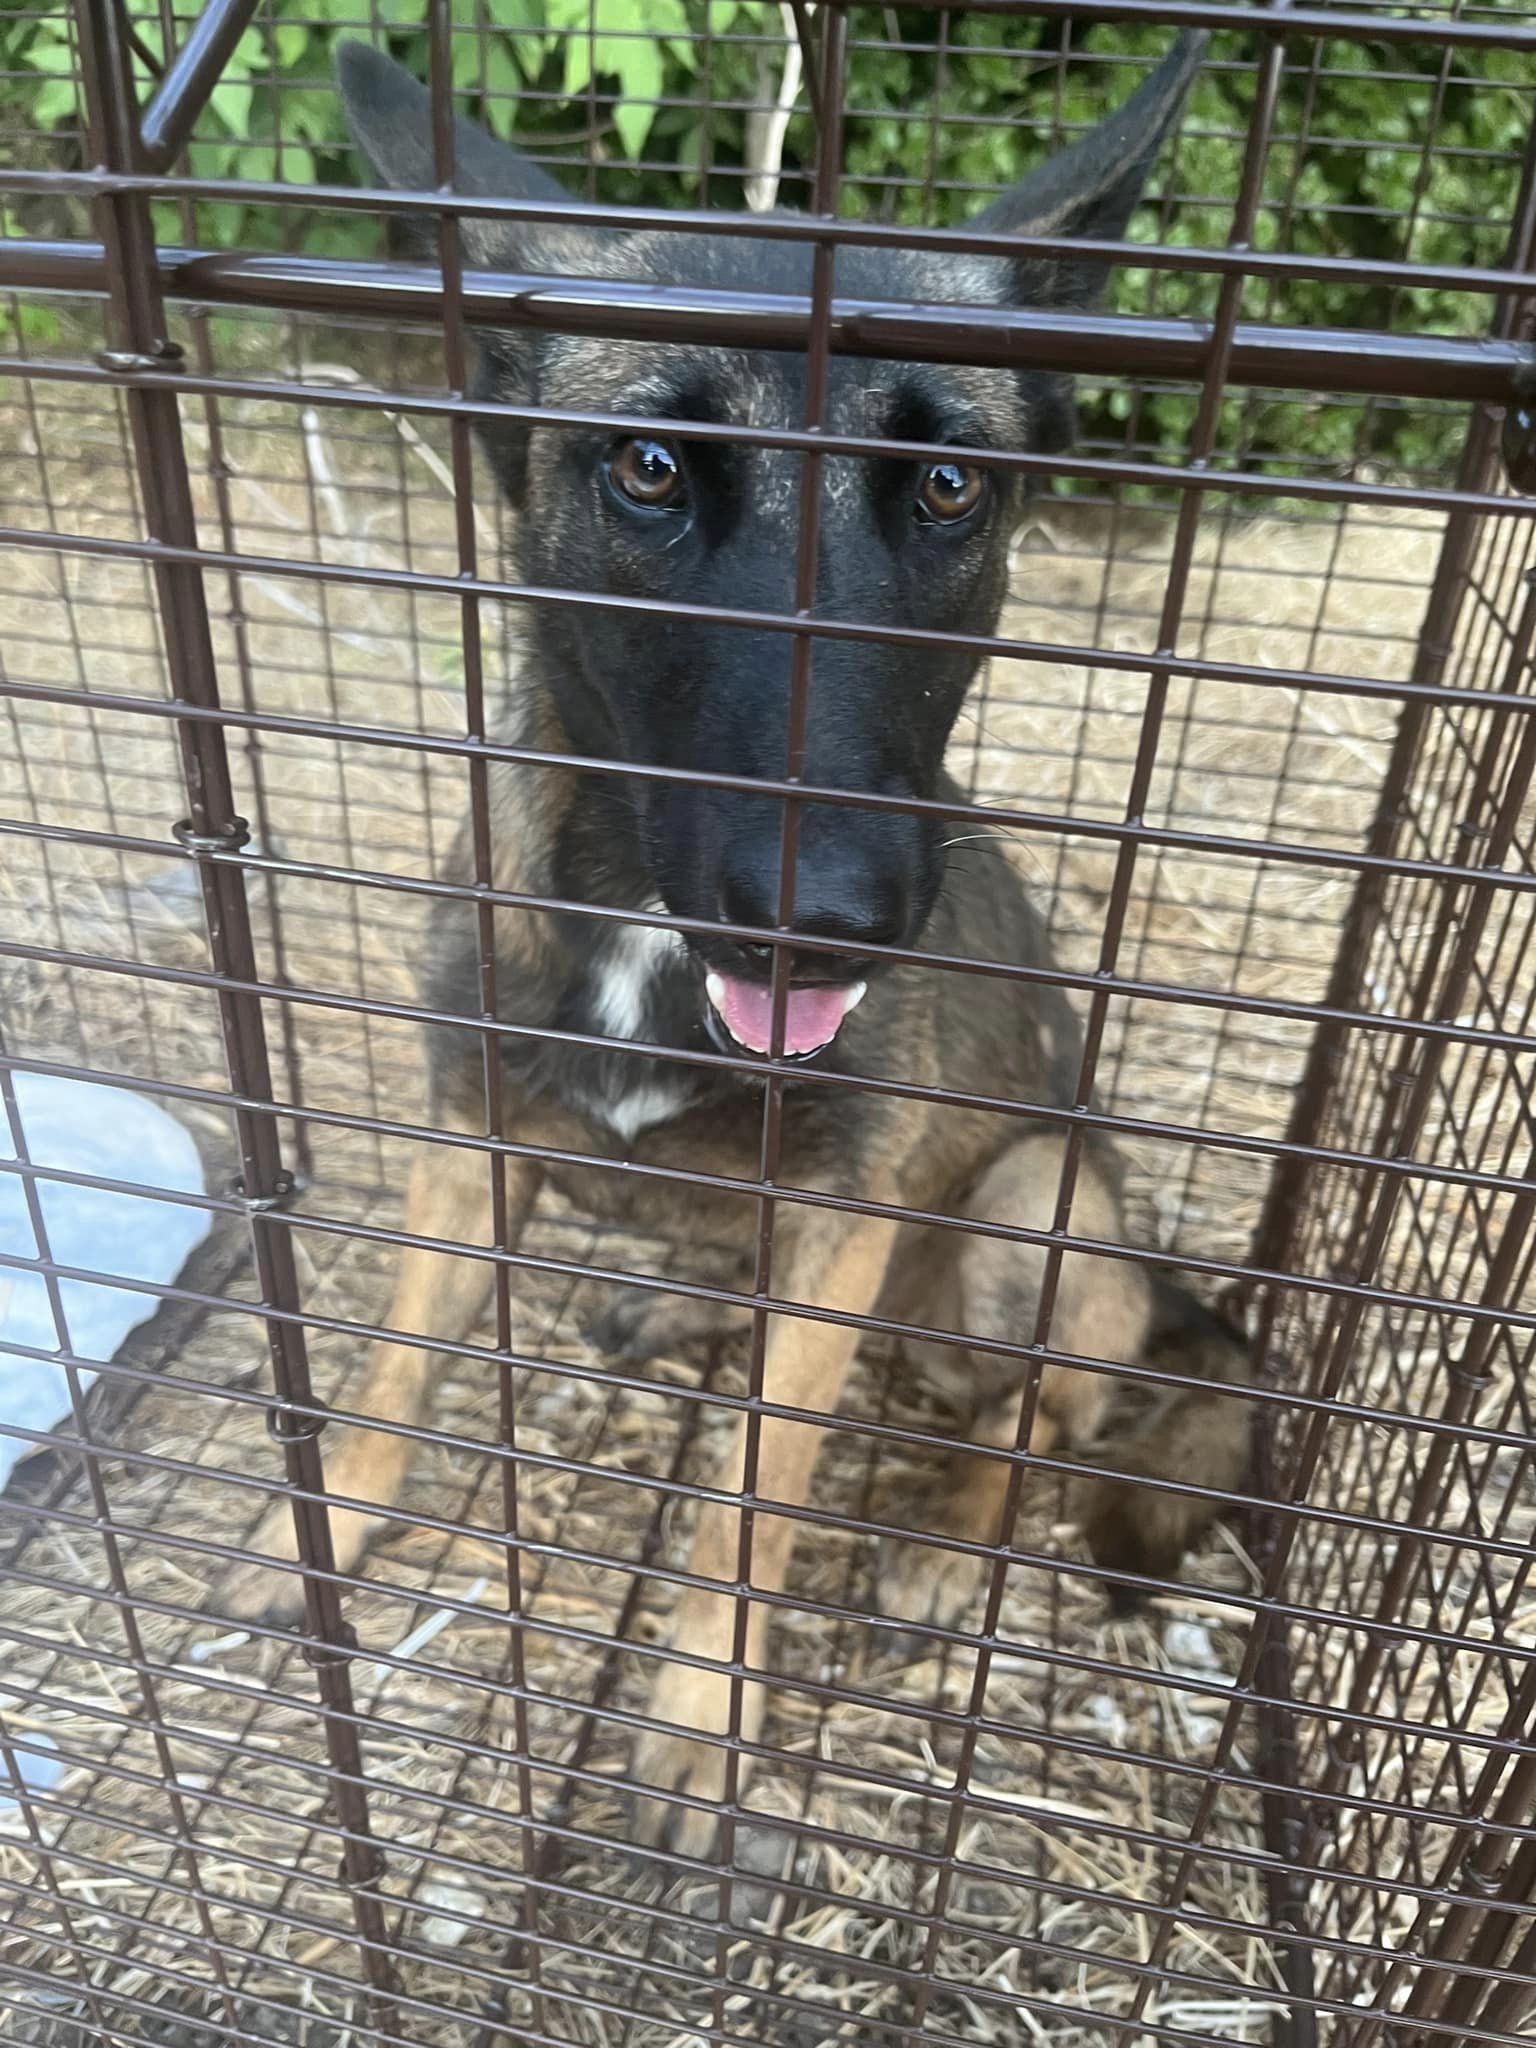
<point>1062,1848</point>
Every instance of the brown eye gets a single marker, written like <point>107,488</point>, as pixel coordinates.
<point>647,473</point>
<point>949,491</point>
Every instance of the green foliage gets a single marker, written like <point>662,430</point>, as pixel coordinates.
<point>652,95</point>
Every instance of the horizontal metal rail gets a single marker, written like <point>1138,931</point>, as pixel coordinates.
<point>1343,492</point>
<point>804,229</point>
<point>1434,31</point>
<point>1343,360</point>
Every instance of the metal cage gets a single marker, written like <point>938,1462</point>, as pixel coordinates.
<point>1257,725</point>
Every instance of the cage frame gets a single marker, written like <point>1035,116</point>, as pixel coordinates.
<point>1485,1882</point>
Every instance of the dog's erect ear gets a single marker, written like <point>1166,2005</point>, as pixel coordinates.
<point>1090,189</point>
<point>390,115</point>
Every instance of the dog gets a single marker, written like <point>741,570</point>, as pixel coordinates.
<point>907,543</point>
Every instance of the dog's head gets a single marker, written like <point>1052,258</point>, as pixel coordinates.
<point>705,523</point>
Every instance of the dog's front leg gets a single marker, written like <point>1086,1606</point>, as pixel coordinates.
<point>837,1262</point>
<point>436,1295</point>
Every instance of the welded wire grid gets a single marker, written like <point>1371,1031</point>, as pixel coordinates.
<point>221,1859</point>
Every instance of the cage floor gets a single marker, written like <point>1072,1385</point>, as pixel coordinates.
<point>447,1798</point>
<point>509,1887</point>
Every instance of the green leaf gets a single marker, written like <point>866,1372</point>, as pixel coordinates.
<point>633,122</point>
<point>290,41</point>
<point>578,65</point>
<point>54,101</point>
<point>25,328</point>
<point>298,164</point>
<point>231,101</point>
<point>502,109</point>
<point>313,116</point>
<point>257,163</point>
<point>51,54</point>
<point>220,222</point>
<point>1351,154</point>
<point>519,14</point>
<point>638,68</point>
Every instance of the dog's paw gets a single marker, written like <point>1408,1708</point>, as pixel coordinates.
<point>927,1582</point>
<point>643,1323</point>
<point>255,1591</point>
<point>673,1760</point>
<point>258,1591</point>
<point>628,1329</point>
<point>696,1770</point>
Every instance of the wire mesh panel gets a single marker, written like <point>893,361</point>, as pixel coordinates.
<point>378,1661</point>
<point>1437,1359</point>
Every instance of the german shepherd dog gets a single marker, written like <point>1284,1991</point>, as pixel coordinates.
<point>701,524</point>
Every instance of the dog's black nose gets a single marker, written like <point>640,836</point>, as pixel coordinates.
<point>846,896</point>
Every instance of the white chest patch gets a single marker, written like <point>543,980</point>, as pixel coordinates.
<point>651,1102</point>
<point>632,958</point>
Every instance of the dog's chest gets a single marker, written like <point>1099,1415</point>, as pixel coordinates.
<point>627,990</point>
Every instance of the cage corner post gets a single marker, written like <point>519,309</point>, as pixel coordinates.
<point>213,832</point>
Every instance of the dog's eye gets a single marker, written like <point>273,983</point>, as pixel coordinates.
<point>647,473</point>
<point>949,491</point>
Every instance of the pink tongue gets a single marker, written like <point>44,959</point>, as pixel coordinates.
<point>812,1016</point>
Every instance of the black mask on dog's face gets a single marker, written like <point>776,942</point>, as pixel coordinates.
<point>694,526</point>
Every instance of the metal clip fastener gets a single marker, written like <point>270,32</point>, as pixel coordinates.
<point>1343,1747</point>
<point>285,1186</point>
<point>226,839</point>
<point>373,1882</point>
<point>286,1425</point>
<point>1487,1884</point>
<point>1474,1382</point>
<point>164,355</point>
<point>318,1655</point>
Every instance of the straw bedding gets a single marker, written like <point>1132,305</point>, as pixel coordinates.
<point>1040,1937</point>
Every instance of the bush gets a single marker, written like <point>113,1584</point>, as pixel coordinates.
<point>651,97</point>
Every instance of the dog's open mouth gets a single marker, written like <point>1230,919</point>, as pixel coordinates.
<point>813,1013</point>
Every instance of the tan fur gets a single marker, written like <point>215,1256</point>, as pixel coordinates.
<point>902,1153</point>
<point>435,1296</point>
<point>593,840</point>
<point>574,996</point>
<point>1196,1433</point>
<point>840,1264</point>
<point>1100,1310</point>
<point>524,804</point>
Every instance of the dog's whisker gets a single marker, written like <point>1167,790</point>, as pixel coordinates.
<point>968,838</point>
